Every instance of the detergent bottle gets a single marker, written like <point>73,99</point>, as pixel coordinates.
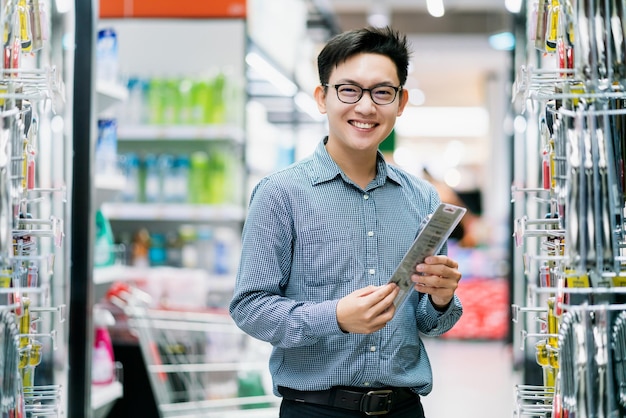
<point>103,360</point>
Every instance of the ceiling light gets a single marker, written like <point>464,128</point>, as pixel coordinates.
<point>503,41</point>
<point>379,15</point>
<point>63,6</point>
<point>308,106</point>
<point>513,6</point>
<point>416,97</point>
<point>271,74</point>
<point>452,177</point>
<point>435,8</point>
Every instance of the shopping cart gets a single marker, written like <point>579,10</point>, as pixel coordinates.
<point>199,363</point>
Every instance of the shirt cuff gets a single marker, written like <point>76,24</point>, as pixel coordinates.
<point>439,312</point>
<point>440,309</point>
<point>323,319</point>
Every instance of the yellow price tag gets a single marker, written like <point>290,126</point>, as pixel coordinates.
<point>619,280</point>
<point>577,281</point>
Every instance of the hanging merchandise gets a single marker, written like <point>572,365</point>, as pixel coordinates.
<point>571,228</point>
<point>26,257</point>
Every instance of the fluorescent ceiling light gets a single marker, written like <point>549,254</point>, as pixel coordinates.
<point>378,20</point>
<point>435,8</point>
<point>448,122</point>
<point>271,74</point>
<point>513,6</point>
<point>379,15</point>
<point>63,6</point>
<point>452,177</point>
<point>306,104</point>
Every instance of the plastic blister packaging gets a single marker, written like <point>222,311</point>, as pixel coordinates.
<point>433,233</point>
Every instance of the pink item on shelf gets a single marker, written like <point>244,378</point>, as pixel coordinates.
<point>103,360</point>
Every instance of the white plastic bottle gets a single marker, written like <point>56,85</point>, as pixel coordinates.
<point>153,179</point>
<point>226,251</point>
<point>205,248</point>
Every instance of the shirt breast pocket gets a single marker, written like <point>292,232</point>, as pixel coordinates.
<point>328,256</point>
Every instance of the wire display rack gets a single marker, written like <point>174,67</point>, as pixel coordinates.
<point>199,363</point>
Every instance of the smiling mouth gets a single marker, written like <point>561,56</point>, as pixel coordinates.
<point>362,125</point>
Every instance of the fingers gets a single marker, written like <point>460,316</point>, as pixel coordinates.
<point>439,266</point>
<point>441,259</point>
<point>380,300</point>
<point>367,310</point>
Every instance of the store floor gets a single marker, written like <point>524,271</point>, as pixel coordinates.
<point>472,379</point>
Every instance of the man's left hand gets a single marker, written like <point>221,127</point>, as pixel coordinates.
<point>439,277</point>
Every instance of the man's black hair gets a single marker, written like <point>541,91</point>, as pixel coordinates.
<point>384,41</point>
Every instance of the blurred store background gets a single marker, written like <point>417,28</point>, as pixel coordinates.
<point>221,96</point>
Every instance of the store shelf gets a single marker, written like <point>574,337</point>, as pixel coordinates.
<point>109,94</point>
<point>108,187</point>
<point>174,212</point>
<point>180,132</point>
<point>103,397</point>
<point>113,182</point>
<point>106,275</point>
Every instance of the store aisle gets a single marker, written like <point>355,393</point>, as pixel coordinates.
<point>472,379</point>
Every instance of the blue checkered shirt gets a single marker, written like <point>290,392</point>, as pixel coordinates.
<point>311,237</point>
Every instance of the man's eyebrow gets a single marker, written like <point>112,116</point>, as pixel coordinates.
<point>349,81</point>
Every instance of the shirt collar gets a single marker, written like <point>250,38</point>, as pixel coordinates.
<point>325,168</point>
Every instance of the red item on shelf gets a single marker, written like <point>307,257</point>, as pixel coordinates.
<point>486,309</point>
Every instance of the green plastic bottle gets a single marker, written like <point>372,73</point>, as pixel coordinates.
<point>199,177</point>
<point>250,383</point>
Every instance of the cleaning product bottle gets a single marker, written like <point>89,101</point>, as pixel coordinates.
<point>104,254</point>
<point>103,360</point>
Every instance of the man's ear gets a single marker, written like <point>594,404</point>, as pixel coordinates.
<point>404,99</point>
<point>320,98</point>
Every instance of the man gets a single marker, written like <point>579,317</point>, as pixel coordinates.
<point>322,239</point>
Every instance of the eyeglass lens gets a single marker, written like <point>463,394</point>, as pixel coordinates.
<point>350,93</point>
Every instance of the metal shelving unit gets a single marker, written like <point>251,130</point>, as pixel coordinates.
<point>33,213</point>
<point>569,209</point>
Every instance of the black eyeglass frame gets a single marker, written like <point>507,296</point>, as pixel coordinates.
<point>363,90</point>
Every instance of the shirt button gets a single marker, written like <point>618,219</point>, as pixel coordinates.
<point>372,271</point>
<point>365,196</point>
<point>373,348</point>
<point>370,234</point>
<point>366,383</point>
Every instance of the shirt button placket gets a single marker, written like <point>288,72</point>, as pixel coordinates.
<point>371,255</point>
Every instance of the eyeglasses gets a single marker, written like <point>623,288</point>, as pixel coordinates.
<point>351,93</point>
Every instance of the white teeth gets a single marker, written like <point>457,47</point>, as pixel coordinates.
<point>363,125</point>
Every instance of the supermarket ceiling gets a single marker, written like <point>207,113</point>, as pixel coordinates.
<point>453,64</point>
<point>452,56</point>
<point>411,16</point>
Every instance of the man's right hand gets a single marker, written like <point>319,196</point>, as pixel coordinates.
<point>367,310</point>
